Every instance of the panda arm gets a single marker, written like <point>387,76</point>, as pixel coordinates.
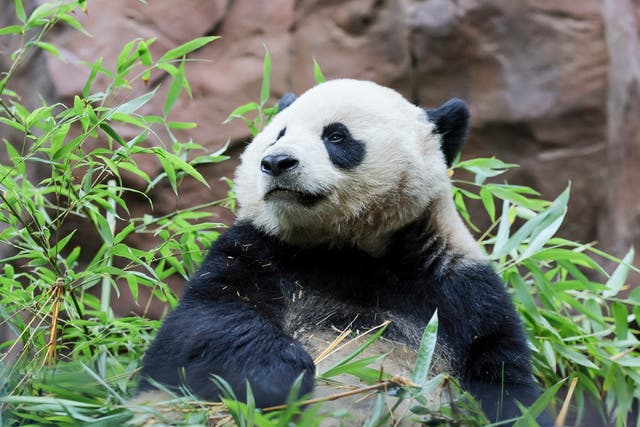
<point>492,346</point>
<point>228,323</point>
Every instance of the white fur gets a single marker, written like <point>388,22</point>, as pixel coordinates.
<point>403,171</point>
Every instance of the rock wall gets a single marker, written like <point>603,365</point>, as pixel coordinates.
<point>552,84</point>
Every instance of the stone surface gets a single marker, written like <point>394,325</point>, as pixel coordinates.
<point>552,85</point>
<point>620,219</point>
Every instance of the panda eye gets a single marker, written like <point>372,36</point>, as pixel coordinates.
<point>336,133</point>
<point>336,137</point>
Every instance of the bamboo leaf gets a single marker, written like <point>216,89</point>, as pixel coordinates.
<point>620,318</point>
<point>317,72</point>
<point>346,368</point>
<point>174,90</point>
<point>20,13</point>
<point>133,105</point>
<point>488,202</point>
<point>266,78</point>
<point>241,110</point>
<point>536,409</point>
<point>11,29</point>
<point>502,237</point>
<point>426,350</point>
<point>9,122</point>
<point>86,90</point>
<point>360,349</point>
<point>186,48</point>
<point>144,54</point>
<point>73,23</point>
<point>619,276</point>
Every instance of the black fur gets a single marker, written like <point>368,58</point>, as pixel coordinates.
<point>345,152</point>
<point>286,100</point>
<point>234,319</point>
<point>451,120</point>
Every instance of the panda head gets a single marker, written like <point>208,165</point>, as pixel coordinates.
<point>348,163</point>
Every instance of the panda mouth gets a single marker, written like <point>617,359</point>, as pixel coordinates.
<point>288,195</point>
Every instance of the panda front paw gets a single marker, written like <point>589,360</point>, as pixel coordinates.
<point>270,365</point>
<point>230,341</point>
<point>273,379</point>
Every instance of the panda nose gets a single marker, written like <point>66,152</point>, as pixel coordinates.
<point>278,164</point>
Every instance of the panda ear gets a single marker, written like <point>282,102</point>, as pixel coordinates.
<point>451,120</point>
<point>286,100</point>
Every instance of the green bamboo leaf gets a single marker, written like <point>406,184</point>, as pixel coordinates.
<point>61,244</point>
<point>132,282</point>
<point>178,164</point>
<point>144,54</point>
<point>576,357</point>
<point>135,170</point>
<point>20,13</point>
<point>376,414</point>
<point>542,235</point>
<point>109,131</point>
<point>241,110</point>
<point>11,29</point>
<point>488,202</point>
<point>619,276</point>
<point>545,223</point>
<point>43,11</point>
<point>16,158</point>
<point>182,125</point>
<point>317,72</point>
<point>186,48</point>
<point>361,348</point>
<point>73,23</point>
<point>485,164</point>
<point>629,361</point>
<point>86,90</point>
<point>620,318</point>
<point>504,193</point>
<point>48,401</point>
<point>174,90</point>
<point>265,89</point>
<point>426,350</point>
<point>65,150</point>
<point>168,168</point>
<point>353,367</point>
<point>502,237</point>
<point>58,137</point>
<point>461,207</point>
<point>560,254</point>
<point>126,58</point>
<point>14,124</point>
<point>133,105</point>
<point>129,119</point>
<point>549,354</point>
<point>537,408</point>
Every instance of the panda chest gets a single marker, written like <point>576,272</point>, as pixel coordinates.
<point>333,321</point>
<point>338,296</point>
<point>308,309</point>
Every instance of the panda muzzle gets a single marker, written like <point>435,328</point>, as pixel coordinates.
<point>293,196</point>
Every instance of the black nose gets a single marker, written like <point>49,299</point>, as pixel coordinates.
<point>279,164</point>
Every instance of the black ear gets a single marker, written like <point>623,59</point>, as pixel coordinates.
<point>286,100</point>
<point>451,120</point>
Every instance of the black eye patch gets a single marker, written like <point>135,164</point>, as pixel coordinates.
<point>344,151</point>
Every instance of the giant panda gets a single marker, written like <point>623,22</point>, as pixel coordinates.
<point>345,220</point>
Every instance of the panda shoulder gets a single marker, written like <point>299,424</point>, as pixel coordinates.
<point>241,239</point>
